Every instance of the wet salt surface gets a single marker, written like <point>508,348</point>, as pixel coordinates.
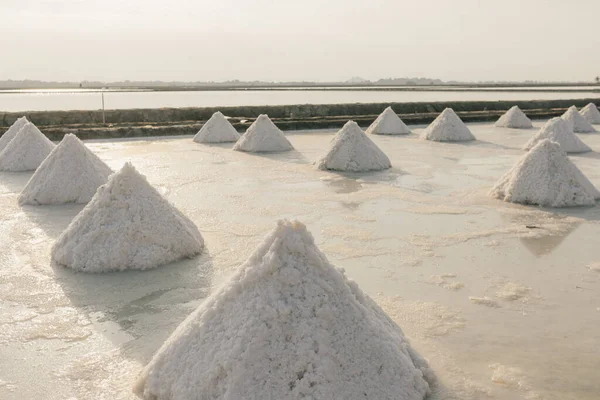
<point>423,239</point>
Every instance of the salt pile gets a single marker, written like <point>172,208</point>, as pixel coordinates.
<point>577,122</point>
<point>26,151</point>
<point>263,136</point>
<point>545,176</point>
<point>447,127</point>
<point>11,132</point>
<point>217,130</point>
<point>589,112</point>
<point>127,225</point>
<point>352,150</point>
<point>70,174</point>
<point>388,123</point>
<point>287,325</point>
<point>514,118</point>
<point>559,131</point>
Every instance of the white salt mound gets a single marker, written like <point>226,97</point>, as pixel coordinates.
<point>388,123</point>
<point>352,150</point>
<point>217,130</point>
<point>576,121</point>
<point>70,174</point>
<point>447,127</point>
<point>545,176</point>
<point>263,136</point>
<point>12,132</point>
<point>126,225</point>
<point>287,325</point>
<point>589,112</point>
<point>514,118</point>
<point>559,131</point>
<point>26,151</point>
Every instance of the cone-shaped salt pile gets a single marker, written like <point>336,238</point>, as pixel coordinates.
<point>287,325</point>
<point>545,176</point>
<point>126,225</point>
<point>217,130</point>
<point>70,174</point>
<point>26,151</point>
<point>558,130</point>
<point>576,121</point>
<point>591,113</point>
<point>514,118</point>
<point>263,136</point>
<point>352,150</point>
<point>388,123</point>
<point>12,132</point>
<point>447,127</point>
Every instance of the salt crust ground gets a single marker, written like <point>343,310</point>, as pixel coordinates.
<point>263,136</point>
<point>287,325</point>
<point>11,132</point>
<point>217,130</point>
<point>127,225</point>
<point>388,123</point>
<point>545,176</point>
<point>589,112</point>
<point>26,151</point>
<point>514,118</point>
<point>70,174</point>
<point>559,131</point>
<point>576,121</point>
<point>447,127</point>
<point>352,150</point>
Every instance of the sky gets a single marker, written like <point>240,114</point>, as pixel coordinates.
<point>310,40</point>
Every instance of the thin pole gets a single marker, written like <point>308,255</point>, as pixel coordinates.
<point>103,116</point>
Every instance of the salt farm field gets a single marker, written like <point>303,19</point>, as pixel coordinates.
<point>502,299</point>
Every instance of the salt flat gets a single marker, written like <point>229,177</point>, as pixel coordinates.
<point>502,299</point>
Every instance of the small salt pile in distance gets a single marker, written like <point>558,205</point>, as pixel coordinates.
<point>591,113</point>
<point>128,224</point>
<point>514,118</point>
<point>217,130</point>
<point>576,121</point>
<point>12,132</point>
<point>545,176</point>
<point>26,151</point>
<point>287,325</point>
<point>388,123</point>
<point>559,131</point>
<point>263,136</point>
<point>352,150</point>
<point>70,174</point>
<point>447,127</point>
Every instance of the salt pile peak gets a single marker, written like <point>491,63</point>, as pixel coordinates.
<point>12,132</point>
<point>589,112</point>
<point>26,151</point>
<point>287,325</point>
<point>576,121</point>
<point>388,123</point>
<point>70,174</point>
<point>545,176</point>
<point>559,131</point>
<point>128,224</point>
<point>352,150</point>
<point>447,127</point>
<point>217,130</point>
<point>514,118</point>
<point>263,136</point>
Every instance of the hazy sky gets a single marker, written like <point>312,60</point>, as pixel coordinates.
<point>299,40</point>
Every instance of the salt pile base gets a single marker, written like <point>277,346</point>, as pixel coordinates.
<point>514,118</point>
<point>388,123</point>
<point>126,225</point>
<point>70,174</point>
<point>263,136</point>
<point>12,132</point>
<point>26,151</point>
<point>591,113</point>
<point>352,150</point>
<point>559,131</point>
<point>576,121</point>
<point>545,176</point>
<point>217,130</point>
<point>287,325</point>
<point>447,127</point>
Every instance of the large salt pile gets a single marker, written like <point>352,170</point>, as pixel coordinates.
<point>12,132</point>
<point>263,136</point>
<point>545,176</point>
<point>591,113</point>
<point>559,131</point>
<point>26,151</point>
<point>217,130</point>
<point>388,123</point>
<point>70,174</point>
<point>576,121</point>
<point>287,325</point>
<point>514,118</point>
<point>127,225</point>
<point>352,150</point>
<point>447,127</point>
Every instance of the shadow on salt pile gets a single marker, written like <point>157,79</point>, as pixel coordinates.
<point>14,182</point>
<point>52,219</point>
